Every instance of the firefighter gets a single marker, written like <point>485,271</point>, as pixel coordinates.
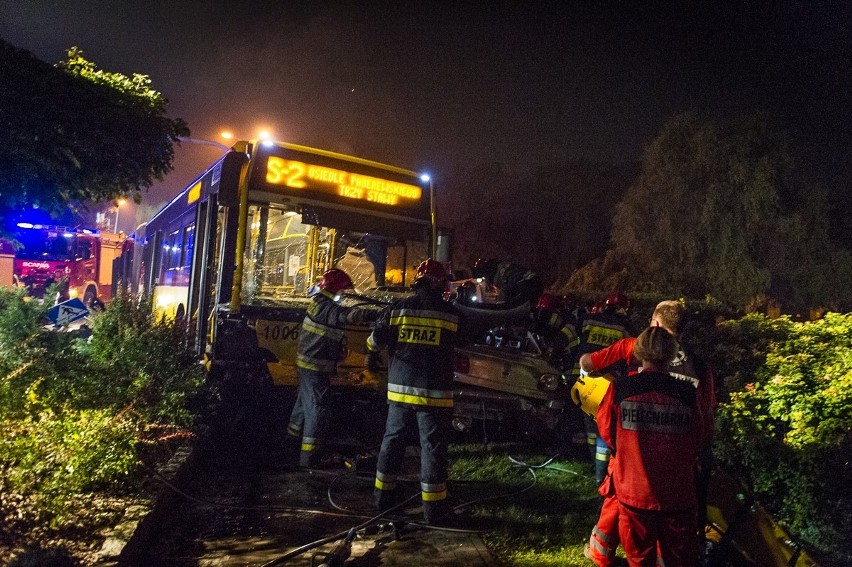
<point>420,333</point>
<point>321,346</point>
<point>670,315</point>
<point>651,424</point>
<point>601,329</point>
<point>556,327</point>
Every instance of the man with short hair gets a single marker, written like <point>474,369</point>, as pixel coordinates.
<point>670,315</point>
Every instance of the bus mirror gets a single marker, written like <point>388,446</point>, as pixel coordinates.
<point>229,185</point>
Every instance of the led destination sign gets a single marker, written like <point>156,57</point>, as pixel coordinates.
<point>300,175</point>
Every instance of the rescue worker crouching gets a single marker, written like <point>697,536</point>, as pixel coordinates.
<point>420,333</point>
<point>321,346</point>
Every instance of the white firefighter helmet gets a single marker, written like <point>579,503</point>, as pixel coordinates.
<point>588,392</point>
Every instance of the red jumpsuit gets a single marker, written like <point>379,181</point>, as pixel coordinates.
<point>604,540</point>
<point>652,423</point>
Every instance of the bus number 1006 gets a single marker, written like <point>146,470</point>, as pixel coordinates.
<point>281,332</point>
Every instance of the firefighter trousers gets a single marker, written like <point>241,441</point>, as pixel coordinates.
<point>598,447</point>
<point>311,410</point>
<point>432,425</point>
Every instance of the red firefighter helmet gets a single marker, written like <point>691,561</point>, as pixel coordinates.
<point>549,302</point>
<point>432,273</point>
<point>334,281</point>
<point>618,299</point>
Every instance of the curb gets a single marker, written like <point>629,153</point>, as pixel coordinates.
<point>140,524</point>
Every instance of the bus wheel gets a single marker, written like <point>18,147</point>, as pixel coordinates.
<point>89,297</point>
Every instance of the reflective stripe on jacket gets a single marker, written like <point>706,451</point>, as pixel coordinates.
<point>420,333</point>
<point>323,333</point>
<point>603,329</point>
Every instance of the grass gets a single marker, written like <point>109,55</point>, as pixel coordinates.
<point>536,511</point>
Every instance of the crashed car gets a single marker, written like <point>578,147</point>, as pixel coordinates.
<point>505,375</point>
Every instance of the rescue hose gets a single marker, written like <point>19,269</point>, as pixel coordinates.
<point>217,504</point>
<point>309,546</point>
<point>339,554</point>
<point>413,496</point>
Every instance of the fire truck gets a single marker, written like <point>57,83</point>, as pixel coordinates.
<point>78,260</point>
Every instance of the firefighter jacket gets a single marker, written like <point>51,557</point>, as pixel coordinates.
<point>686,366</point>
<point>649,421</point>
<point>603,329</point>
<point>323,333</point>
<point>420,333</point>
<point>560,336</point>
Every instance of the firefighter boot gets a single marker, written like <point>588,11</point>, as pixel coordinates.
<point>320,460</point>
<point>436,512</point>
<point>383,499</point>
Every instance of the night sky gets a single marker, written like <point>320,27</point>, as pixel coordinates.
<point>444,86</point>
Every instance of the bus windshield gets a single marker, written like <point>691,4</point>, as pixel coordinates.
<point>285,256</point>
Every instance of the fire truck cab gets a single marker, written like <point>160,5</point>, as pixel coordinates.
<point>79,261</point>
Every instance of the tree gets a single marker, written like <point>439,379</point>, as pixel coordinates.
<point>549,220</point>
<point>716,211</point>
<point>73,133</point>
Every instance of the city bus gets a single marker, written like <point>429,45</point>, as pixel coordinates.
<point>237,253</point>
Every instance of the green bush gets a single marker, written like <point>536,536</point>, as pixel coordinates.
<point>53,456</point>
<point>785,427</point>
<point>24,349</point>
<point>78,410</point>
<point>146,361</point>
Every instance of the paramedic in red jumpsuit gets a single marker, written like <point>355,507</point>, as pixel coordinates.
<point>686,366</point>
<point>651,424</point>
